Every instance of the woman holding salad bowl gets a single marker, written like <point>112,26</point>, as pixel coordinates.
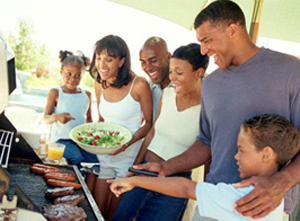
<point>123,99</point>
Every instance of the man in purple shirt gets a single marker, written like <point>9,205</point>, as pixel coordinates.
<point>249,81</point>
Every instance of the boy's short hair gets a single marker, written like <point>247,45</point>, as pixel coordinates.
<point>276,132</point>
<point>221,13</point>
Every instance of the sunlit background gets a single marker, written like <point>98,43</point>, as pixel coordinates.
<point>76,25</point>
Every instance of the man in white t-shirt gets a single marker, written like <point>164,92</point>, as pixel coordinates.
<point>155,59</point>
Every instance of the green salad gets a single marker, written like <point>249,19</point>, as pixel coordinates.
<point>100,138</point>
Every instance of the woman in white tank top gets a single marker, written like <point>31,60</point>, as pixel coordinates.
<point>175,129</point>
<point>122,98</point>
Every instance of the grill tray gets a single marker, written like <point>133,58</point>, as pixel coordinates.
<point>34,187</point>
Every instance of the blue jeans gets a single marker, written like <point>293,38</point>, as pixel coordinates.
<point>75,155</point>
<point>149,205</point>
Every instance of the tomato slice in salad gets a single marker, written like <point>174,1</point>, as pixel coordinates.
<point>100,138</point>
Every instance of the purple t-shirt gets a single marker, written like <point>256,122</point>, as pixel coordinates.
<point>269,82</point>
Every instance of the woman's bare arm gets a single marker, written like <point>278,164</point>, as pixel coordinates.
<point>98,91</point>
<point>142,92</point>
<point>143,150</point>
<point>89,118</point>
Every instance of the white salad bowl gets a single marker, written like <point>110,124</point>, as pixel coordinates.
<point>89,127</point>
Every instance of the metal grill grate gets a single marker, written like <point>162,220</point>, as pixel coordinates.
<point>6,138</point>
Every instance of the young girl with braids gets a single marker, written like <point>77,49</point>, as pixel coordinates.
<point>69,106</point>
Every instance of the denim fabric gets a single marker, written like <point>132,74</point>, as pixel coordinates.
<point>148,205</point>
<point>75,155</point>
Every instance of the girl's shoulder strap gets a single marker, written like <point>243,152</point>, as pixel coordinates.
<point>132,84</point>
<point>54,90</point>
<point>82,91</point>
<point>59,90</point>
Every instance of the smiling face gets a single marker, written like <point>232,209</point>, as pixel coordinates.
<point>71,74</point>
<point>155,62</point>
<point>249,159</point>
<point>216,42</point>
<point>108,66</point>
<point>183,77</point>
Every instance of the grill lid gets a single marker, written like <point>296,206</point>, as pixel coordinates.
<point>20,149</point>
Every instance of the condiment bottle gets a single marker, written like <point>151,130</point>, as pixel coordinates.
<point>43,151</point>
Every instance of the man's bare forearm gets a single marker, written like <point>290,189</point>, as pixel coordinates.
<point>290,175</point>
<point>197,155</point>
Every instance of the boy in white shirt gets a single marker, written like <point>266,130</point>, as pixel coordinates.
<point>265,145</point>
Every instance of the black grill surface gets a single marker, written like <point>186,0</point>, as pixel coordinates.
<point>34,187</point>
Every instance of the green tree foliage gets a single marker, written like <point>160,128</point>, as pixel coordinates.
<point>34,58</point>
<point>30,56</point>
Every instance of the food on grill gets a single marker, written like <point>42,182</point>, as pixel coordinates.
<point>60,183</point>
<point>70,199</point>
<point>59,192</point>
<point>44,166</point>
<point>60,176</point>
<point>64,212</point>
<point>37,170</point>
<point>41,170</point>
<point>63,174</point>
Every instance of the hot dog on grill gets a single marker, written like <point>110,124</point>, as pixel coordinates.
<point>70,199</point>
<point>40,170</point>
<point>43,166</point>
<point>59,192</point>
<point>37,170</point>
<point>60,176</point>
<point>60,183</point>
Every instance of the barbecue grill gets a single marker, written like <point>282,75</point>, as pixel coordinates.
<point>19,188</point>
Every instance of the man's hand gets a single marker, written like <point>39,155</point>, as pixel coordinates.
<point>151,166</point>
<point>120,186</point>
<point>266,196</point>
<point>129,174</point>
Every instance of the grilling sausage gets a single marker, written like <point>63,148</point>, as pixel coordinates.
<point>43,166</point>
<point>60,176</point>
<point>70,199</point>
<point>60,183</point>
<point>40,170</point>
<point>37,170</point>
<point>59,192</point>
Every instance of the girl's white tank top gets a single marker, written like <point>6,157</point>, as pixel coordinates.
<point>126,112</point>
<point>75,104</point>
